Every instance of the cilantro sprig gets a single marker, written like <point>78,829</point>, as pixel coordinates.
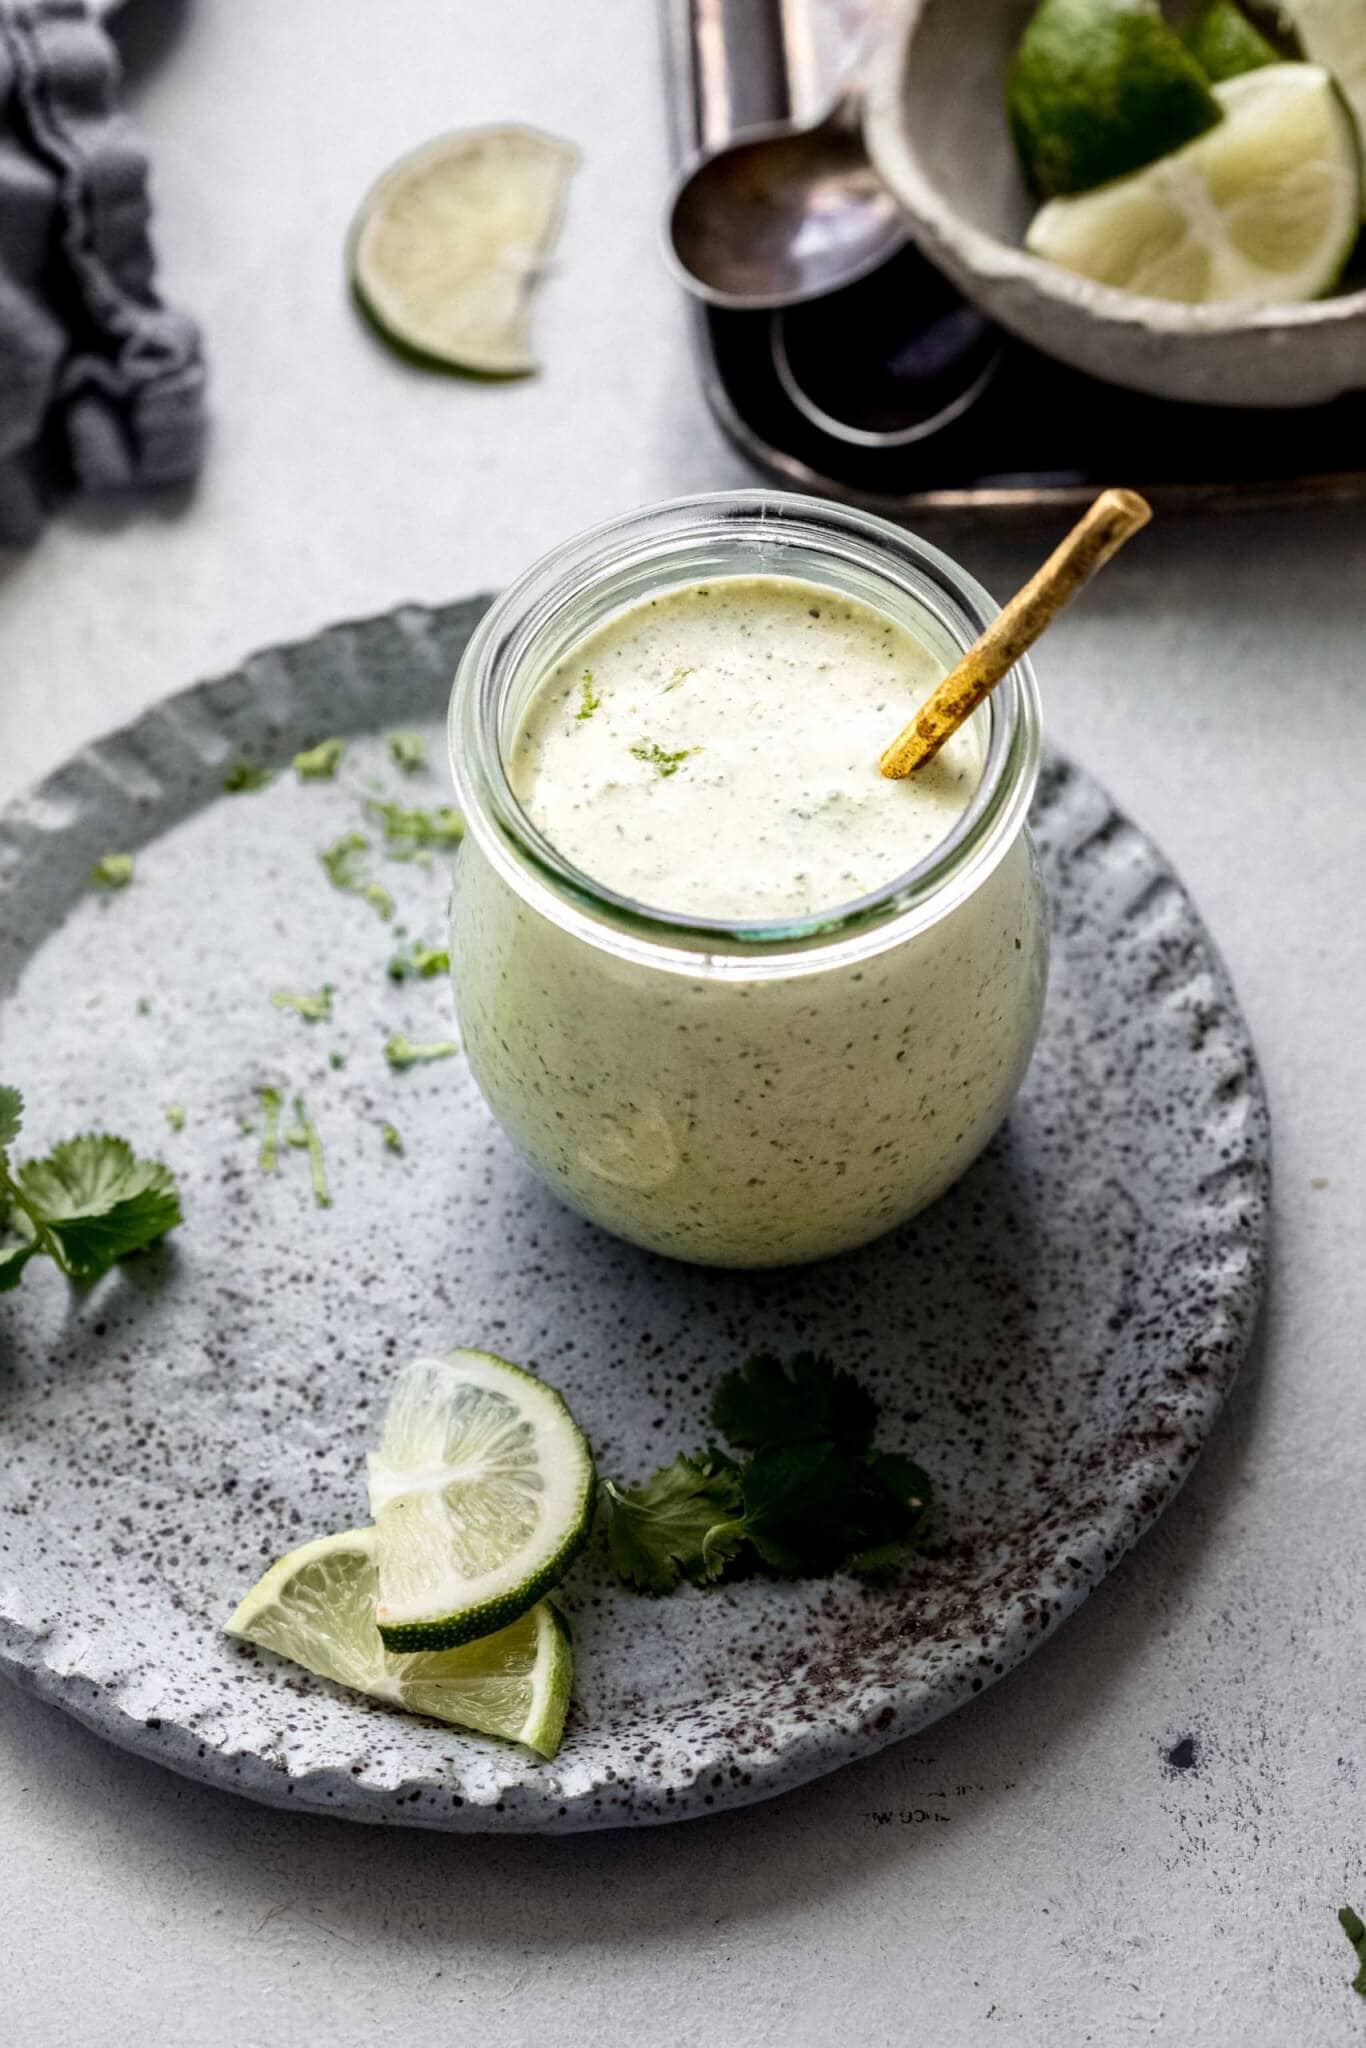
<point>1354,1927</point>
<point>90,1203</point>
<point>812,1495</point>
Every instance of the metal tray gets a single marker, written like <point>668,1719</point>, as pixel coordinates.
<point>1037,436</point>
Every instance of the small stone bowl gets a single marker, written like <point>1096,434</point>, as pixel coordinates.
<point>936,129</point>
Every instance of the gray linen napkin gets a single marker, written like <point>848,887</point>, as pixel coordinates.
<point>101,385</point>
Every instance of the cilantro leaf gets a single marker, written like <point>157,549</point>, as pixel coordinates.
<point>314,1009</point>
<point>18,1244</point>
<point>112,871</point>
<point>98,1202</point>
<point>401,1052</point>
<point>1354,1928</point>
<point>345,866</point>
<point>320,763</point>
<point>804,1507</point>
<point>11,1115</point>
<point>907,1513</point>
<point>419,962</point>
<point>408,751</point>
<point>244,778</point>
<point>765,1405</point>
<point>408,832</point>
<point>683,1523</point>
<point>393,1141</point>
<point>813,1507</point>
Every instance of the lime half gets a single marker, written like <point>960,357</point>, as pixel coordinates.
<point>1261,211</point>
<point>482,1495</point>
<point>447,244</point>
<point>1097,89</point>
<point>1333,33</point>
<point>317,1607</point>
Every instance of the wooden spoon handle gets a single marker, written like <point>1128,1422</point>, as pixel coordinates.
<point>1098,534</point>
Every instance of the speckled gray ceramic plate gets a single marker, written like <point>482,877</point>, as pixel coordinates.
<point>1053,1340</point>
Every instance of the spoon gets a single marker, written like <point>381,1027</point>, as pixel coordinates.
<point>785,214</point>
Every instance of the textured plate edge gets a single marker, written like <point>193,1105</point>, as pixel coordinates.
<point>887,1714</point>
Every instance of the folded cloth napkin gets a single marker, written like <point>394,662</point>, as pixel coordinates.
<point>101,385</point>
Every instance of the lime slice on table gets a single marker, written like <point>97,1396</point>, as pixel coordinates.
<point>1097,89</point>
<point>482,1494</point>
<point>1261,211</point>
<point>1224,43</point>
<point>1333,33</point>
<point>446,245</point>
<point>317,1607</point>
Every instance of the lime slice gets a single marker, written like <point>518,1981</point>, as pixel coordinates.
<point>317,1607</point>
<point>1224,43</point>
<point>446,245</point>
<point>1262,210</point>
<point>482,1494</point>
<point>1333,33</point>
<point>1099,88</point>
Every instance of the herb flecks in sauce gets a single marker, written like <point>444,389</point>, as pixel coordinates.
<point>590,700</point>
<point>655,756</point>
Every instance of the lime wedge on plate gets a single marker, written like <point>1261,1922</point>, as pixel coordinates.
<point>482,1495</point>
<point>1261,211</point>
<point>317,1607</point>
<point>1333,33</point>
<point>446,245</point>
<point>1224,43</point>
<point>1097,89</point>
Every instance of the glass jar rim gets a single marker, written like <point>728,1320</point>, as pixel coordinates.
<point>599,558</point>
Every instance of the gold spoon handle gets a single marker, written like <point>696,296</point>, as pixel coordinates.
<point>1114,518</point>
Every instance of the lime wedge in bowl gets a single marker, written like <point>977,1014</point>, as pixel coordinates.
<point>1097,89</point>
<point>1333,33</point>
<point>317,1607</point>
<point>446,245</point>
<point>482,1494</point>
<point>1263,210</point>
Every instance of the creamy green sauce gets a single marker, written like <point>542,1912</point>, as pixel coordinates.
<point>713,751</point>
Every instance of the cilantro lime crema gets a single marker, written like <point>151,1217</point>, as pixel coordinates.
<point>712,752</point>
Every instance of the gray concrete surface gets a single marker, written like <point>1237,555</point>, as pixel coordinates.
<point>1035,1871</point>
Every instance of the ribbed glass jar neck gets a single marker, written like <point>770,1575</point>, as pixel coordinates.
<point>562,598</point>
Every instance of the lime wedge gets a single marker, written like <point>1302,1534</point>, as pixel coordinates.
<point>1261,211</point>
<point>482,1494</point>
<point>1224,43</point>
<point>317,1607</point>
<point>1097,89</point>
<point>1333,33</point>
<point>446,245</point>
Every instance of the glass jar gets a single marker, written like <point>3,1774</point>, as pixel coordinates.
<point>743,1094</point>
